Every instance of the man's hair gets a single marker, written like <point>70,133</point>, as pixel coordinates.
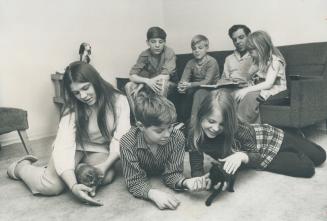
<point>234,28</point>
<point>198,38</point>
<point>154,110</point>
<point>156,32</point>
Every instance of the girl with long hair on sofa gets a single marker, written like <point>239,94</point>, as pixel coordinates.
<point>94,119</point>
<point>218,132</point>
<point>268,77</point>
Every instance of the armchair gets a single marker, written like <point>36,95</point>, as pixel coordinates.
<point>307,79</point>
<point>15,119</point>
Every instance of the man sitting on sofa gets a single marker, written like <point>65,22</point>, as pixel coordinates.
<point>237,65</point>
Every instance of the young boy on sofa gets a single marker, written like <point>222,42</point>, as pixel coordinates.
<point>154,67</point>
<point>202,69</point>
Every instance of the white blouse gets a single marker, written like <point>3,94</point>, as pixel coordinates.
<point>65,146</point>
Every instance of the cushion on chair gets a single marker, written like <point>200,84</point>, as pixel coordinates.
<point>12,119</point>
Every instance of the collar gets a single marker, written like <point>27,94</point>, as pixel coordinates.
<point>141,144</point>
<point>238,56</point>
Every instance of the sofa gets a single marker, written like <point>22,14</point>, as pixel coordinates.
<point>306,72</point>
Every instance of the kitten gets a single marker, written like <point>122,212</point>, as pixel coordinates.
<point>218,174</point>
<point>88,175</point>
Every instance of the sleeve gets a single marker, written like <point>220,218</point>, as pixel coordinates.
<point>135,177</point>
<point>140,64</point>
<point>275,67</point>
<point>187,73</point>
<point>173,171</point>
<point>196,163</point>
<point>211,71</point>
<point>123,122</point>
<point>169,66</point>
<point>64,146</point>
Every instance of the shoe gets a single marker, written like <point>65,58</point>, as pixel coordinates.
<point>12,167</point>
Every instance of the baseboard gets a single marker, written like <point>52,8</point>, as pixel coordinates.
<point>14,138</point>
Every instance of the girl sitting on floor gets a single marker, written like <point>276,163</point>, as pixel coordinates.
<point>95,117</point>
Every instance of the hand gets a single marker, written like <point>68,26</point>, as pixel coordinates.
<point>233,162</point>
<point>81,192</point>
<point>162,77</point>
<point>155,84</point>
<point>198,183</point>
<point>208,181</point>
<point>163,200</point>
<point>240,94</point>
<point>180,88</point>
<point>137,89</point>
<point>183,86</point>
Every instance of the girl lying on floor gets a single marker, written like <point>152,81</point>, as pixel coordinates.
<point>217,132</point>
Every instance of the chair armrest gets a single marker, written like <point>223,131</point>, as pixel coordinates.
<point>59,88</point>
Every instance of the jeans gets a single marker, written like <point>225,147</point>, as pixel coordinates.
<point>297,157</point>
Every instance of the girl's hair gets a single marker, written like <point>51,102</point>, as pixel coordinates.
<point>106,98</point>
<point>261,41</point>
<point>199,38</point>
<point>217,100</point>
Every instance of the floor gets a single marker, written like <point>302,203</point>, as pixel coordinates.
<point>258,196</point>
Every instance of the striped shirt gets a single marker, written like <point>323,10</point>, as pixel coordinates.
<point>261,142</point>
<point>138,161</point>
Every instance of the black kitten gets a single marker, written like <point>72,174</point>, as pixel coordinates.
<point>218,174</point>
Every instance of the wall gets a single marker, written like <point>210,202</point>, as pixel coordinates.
<point>288,22</point>
<point>40,37</point>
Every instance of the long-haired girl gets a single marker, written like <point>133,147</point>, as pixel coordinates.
<point>217,132</point>
<point>94,119</point>
<point>268,74</point>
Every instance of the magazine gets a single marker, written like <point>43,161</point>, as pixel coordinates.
<point>239,83</point>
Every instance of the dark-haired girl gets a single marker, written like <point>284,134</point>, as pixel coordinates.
<point>94,119</point>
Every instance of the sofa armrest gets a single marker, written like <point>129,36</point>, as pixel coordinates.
<point>308,93</point>
<point>299,77</point>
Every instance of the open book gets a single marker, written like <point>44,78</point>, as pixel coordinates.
<point>239,83</point>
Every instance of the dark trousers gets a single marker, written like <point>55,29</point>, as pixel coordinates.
<point>189,104</point>
<point>297,157</point>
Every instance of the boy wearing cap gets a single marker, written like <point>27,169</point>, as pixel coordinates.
<point>154,67</point>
